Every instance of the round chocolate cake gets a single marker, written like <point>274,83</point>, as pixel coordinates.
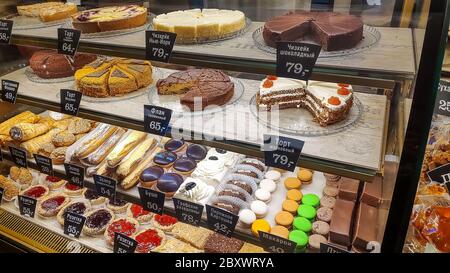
<point>48,64</point>
<point>334,31</point>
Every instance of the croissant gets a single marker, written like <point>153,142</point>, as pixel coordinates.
<point>27,131</point>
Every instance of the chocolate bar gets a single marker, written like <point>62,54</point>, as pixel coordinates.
<point>372,192</point>
<point>365,229</point>
<point>341,222</point>
<point>348,189</point>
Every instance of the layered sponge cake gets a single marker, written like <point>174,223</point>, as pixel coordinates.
<point>114,77</point>
<point>327,102</point>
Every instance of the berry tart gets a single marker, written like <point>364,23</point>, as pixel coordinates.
<point>78,207</point>
<point>118,205</point>
<point>37,192</point>
<point>94,198</point>
<point>126,226</point>
<point>164,222</point>
<point>137,212</point>
<point>149,239</point>
<point>50,206</point>
<point>73,190</point>
<point>54,182</point>
<point>97,221</point>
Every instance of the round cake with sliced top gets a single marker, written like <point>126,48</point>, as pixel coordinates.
<point>332,30</point>
<point>327,102</point>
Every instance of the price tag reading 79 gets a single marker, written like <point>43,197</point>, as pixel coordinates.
<point>159,45</point>
<point>296,60</point>
<point>282,152</point>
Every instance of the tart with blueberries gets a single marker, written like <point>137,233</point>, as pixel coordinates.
<point>54,182</point>
<point>126,226</point>
<point>78,207</point>
<point>164,222</point>
<point>138,212</point>
<point>97,221</point>
<point>37,192</point>
<point>117,205</point>
<point>93,197</point>
<point>50,205</point>
<point>149,239</point>
<point>73,190</point>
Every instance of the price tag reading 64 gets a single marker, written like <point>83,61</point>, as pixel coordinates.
<point>68,40</point>
<point>296,60</point>
<point>282,152</point>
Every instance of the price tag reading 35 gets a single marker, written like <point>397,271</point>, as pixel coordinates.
<point>151,200</point>
<point>105,186</point>
<point>70,101</point>
<point>156,119</point>
<point>296,60</point>
<point>221,221</point>
<point>5,31</point>
<point>9,91</point>
<point>282,152</point>
<point>443,99</point>
<point>159,45</point>
<point>68,40</point>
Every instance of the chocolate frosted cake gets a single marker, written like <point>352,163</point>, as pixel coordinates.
<point>48,64</point>
<point>198,87</point>
<point>334,31</point>
<point>327,102</point>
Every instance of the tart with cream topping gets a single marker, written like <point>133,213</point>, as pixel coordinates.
<point>93,197</point>
<point>37,192</point>
<point>73,190</point>
<point>54,182</point>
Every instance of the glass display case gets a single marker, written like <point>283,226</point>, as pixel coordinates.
<point>186,136</point>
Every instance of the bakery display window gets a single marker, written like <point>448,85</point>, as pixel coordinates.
<point>157,126</point>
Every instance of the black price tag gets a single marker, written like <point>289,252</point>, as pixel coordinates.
<point>75,174</point>
<point>5,31</point>
<point>151,200</point>
<point>443,99</point>
<point>70,101</point>
<point>68,40</point>
<point>124,244</point>
<point>9,91</point>
<point>282,152</point>
<point>326,248</point>
<point>27,205</point>
<point>19,156</point>
<point>105,186</point>
<point>1,194</point>
<point>188,212</point>
<point>156,119</point>
<point>44,164</point>
<point>159,45</point>
<point>441,175</point>
<point>73,224</point>
<point>1,154</point>
<point>276,244</point>
<point>296,60</point>
<point>220,220</point>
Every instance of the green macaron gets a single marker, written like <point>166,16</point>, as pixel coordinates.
<point>300,238</point>
<point>307,211</point>
<point>311,199</point>
<point>303,224</point>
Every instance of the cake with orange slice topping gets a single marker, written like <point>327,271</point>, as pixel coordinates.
<point>113,77</point>
<point>327,102</point>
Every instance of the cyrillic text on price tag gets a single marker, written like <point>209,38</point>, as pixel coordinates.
<point>44,164</point>
<point>70,101</point>
<point>221,221</point>
<point>68,40</point>
<point>27,205</point>
<point>124,244</point>
<point>151,200</point>
<point>327,248</point>
<point>19,156</point>
<point>9,91</point>
<point>159,45</point>
<point>282,152</point>
<point>441,175</point>
<point>276,244</point>
<point>73,224</point>
<point>75,174</point>
<point>443,99</point>
<point>296,60</point>
<point>188,212</point>
<point>5,31</point>
<point>105,186</point>
<point>156,119</point>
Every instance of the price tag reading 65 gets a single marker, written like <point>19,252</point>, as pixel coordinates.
<point>156,119</point>
<point>282,152</point>
<point>70,101</point>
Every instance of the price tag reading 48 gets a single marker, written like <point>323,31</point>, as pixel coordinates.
<point>282,152</point>
<point>159,45</point>
<point>296,60</point>
<point>68,40</point>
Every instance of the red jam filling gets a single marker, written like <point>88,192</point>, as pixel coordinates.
<point>35,192</point>
<point>343,91</point>
<point>334,101</point>
<point>52,179</point>
<point>138,210</point>
<point>121,226</point>
<point>272,77</point>
<point>147,241</point>
<point>267,84</point>
<point>343,84</point>
<point>72,187</point>
<point>53,203</point>
<point>165,220</point>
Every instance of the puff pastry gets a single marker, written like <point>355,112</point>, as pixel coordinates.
<point>27,131</point>
<point>33,145</point>
<point>26,116</point>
